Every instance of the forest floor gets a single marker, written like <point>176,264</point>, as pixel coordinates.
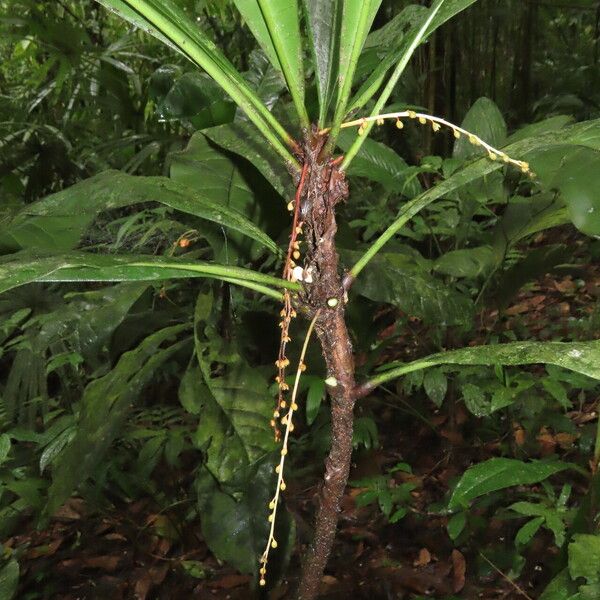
<point>136,550</point>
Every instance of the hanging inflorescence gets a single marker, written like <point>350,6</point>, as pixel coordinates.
<point>436,124</point>
<point>288,312</point>
<point>287,422</point>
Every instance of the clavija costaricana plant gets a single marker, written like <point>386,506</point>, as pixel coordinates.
<point>313,283</point>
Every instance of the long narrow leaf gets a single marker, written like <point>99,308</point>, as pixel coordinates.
<point>391,84</point>
<point>324,17</point>
<point>581,357</point>
<point>24,267</point>
<point>357,18</point>
<point>275,24</point>
<point>165,20</point>
<point>57,223</point>
<point>370,87</point>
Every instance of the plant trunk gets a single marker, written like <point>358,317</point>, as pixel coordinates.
<point>326,187</point>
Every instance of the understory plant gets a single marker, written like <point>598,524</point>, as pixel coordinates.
<point>303,121</point>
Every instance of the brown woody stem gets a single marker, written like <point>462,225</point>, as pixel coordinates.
<point>326,187</point>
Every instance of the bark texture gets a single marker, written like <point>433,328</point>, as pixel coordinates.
<point>325,188</point>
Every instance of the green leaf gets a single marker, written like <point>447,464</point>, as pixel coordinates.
<point>23,267</point>
<point>58,222</point>
<point>241,138</point>
<point>235,484</point>
<point>561,588</point>
<point>500,473</point>
<point>9,579</point>
<point>207,170</point>
<point>468,262</point>
<point>403,59</point>
<point>550,517</point>
<point>581,357</point>
<point>105,404</point>
<point>390,44</point>
<point>456,524</point>
<point>314,398</point>
<point>583,134</point>
<point>275,24</point>
<point>485,120</point>
<point>436,386</point>
<point>323,18</point>
<point>235,526</point>
<point>357,18</point>
<point>584,557</point>
<point>169,23</point>
<point>265,79</point>
<point>377,162</point>
<point>576,173</point>
<point>475,400</point>
<point>4,447</point>
<point>526,533</point>
<point>397,279</point>
<point>196,98</point>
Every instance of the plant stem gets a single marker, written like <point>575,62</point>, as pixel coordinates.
<point>335,342</point>
<point>326,187</point>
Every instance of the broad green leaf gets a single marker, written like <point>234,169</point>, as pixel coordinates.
<point>57,223</point>
<point>235,525</point>
<point>265,79</point>
<point>475,400</point>
<point>275,24</point>
<point>196,98</point>
<point>582,134</point>
<point>9,579</point>
<point>498,474</point>
<point>236,479</point>
<point>105,404</point>
<point>240,138</point>
<point>485,120</point>
<point>23,267</point>
<point>237,409</point>
<point>208,170</point>
<point>168,22</point>
<point>584,557</point>
<point>547,125</point>
<point>323,18</point>
<point>561,588</point>
<point>469,262</point>
<point>576,173</point>
<point>436,386</point>
<point>397,279</point>
<point>377,162</point>
<point>456,524</point>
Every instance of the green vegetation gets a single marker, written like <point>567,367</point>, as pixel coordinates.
<point>441,165</point>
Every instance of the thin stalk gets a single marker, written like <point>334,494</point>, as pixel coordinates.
<point>236,275</point>
<point>411,208</point>
<point>256,287</point>
<point>288,421</point>
<point>389,88</point>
